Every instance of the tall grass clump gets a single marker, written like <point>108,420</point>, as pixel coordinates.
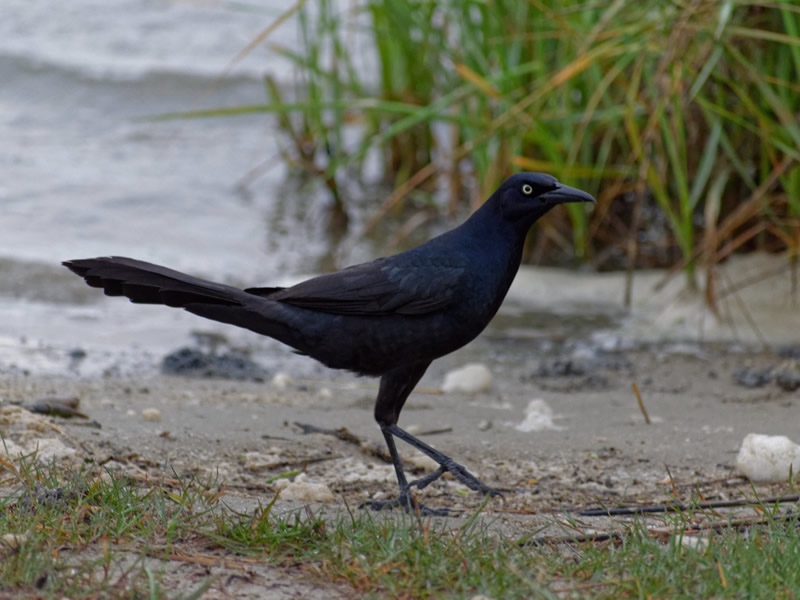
<point>680,116</point>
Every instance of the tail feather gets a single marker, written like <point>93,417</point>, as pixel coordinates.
<point>146,283</point>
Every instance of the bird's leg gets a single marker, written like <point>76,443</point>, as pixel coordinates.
<point>395,387</point>
<point>445,464</point>
<point>398,465</point>
<point>405,500</point>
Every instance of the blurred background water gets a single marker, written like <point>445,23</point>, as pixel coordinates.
<point>85,173</point>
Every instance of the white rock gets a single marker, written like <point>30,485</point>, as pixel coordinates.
<point>324,393</point>
<point>768,457</point>
<point>257,461</point>
<point>151,414</point>
<point>46,450</point>
<point>538,417</point>
<point>303,490</point>
<point>471,378</point>
<point>281,381</point>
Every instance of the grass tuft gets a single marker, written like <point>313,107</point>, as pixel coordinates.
<point>94,535</point>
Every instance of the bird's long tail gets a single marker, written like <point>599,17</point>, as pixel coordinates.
<point>146,283</point>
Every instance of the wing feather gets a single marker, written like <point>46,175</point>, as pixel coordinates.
<point>416,286</point>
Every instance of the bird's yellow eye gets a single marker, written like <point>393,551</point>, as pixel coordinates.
<point>527,189</point>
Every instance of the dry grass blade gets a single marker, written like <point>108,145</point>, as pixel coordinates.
<point>641,403</point>
<point>264,34</point>
<point>476,80</point>
<point>738,217</point>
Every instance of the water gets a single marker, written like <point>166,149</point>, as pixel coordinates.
<point>85,173</point>
<point>86,176</point>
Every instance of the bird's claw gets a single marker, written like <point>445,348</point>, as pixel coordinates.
<point>469,480</point>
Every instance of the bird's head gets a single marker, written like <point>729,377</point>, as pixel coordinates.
<point>525,197</point>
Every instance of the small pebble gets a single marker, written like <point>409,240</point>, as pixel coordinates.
<point>324,393</point>
<point>13,540</point>
<point>151,414</point>
<point>471,378</point>
<point>281,381</point>
<point>752,378</point>
<point>484,425</point>
<point>787,375</point>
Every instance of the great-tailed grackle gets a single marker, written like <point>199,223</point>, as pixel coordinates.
<point>389,318</point>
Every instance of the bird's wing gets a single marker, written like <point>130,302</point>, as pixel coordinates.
<point>416,286</point>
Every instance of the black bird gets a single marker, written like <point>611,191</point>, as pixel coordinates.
<point>388,318</point>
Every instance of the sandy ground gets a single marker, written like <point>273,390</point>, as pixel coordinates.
<point>598,450</point>
<point>599,446</point>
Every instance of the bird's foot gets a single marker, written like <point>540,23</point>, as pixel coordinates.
<point>469,480</point>
<point>410,505</point>
<point>461,474</point>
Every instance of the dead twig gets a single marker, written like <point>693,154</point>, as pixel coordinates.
<point>209,560</point>
<point>680,507</point>
<point>344,434</point>
<point>661,532</point>
<point>641,403</point>
<point>435,431</point>
<point>578,587</point>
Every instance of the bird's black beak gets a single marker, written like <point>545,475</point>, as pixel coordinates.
<point>563,194</point>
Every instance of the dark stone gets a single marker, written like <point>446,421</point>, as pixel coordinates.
<point>751,377</point>
<point>191,362</point>
<point>77,354</point>
<point>582,361</point>
<point>562,367</point>
<point>787,376</point>
<point>43,497</point>
<point>789,352</point>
